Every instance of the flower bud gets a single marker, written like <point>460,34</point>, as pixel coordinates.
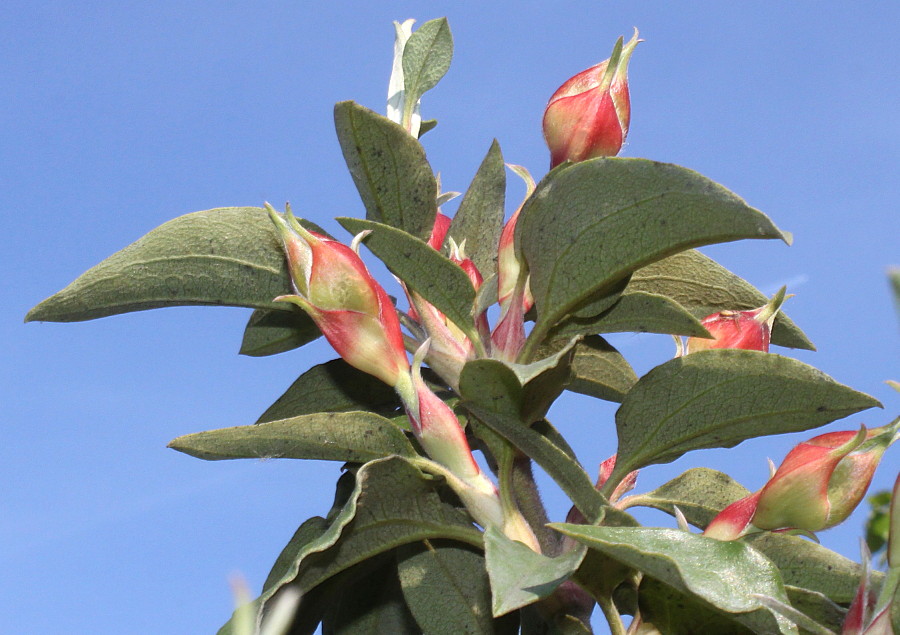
<point>351,309</point>
<point>748,330</point>
<point>821,481</point>
<point>588,116</point>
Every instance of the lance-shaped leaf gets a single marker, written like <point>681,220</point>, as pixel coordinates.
<point>270,332</point>
<point>806,565</point>
<point>675,613</point>
<point>718,398</point>
<point>703,286</point>
<point>492,393</point>
<point>597,368</point>
<point>392,504</point>
<point>636,312</point>
<point>389,168</point>
<point>431,274</point>
<point>479,219</point>
<point>356,437</point>
<point>446,587</point>
<point>592,223</point>
<point>229,256</point>
<point>426,59</point>
<point>334,386</point>
<point>520,576</point>
<point>700,494</point>
<point>723,574</point>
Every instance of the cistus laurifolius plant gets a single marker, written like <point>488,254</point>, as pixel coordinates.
<point>437,403</point>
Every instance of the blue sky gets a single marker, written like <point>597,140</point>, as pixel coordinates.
<point>119,116</point>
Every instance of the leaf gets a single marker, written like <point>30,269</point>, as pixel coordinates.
<point>392,504</point>
<point>817,606</point>
<point>724,574</point>
<point>636,312</point>
<point>703,286</point>
<point>334,386</point>
<point>446,587</point>
<point>389,168</point>
<point>592,223</point>
<point>492,394</point>
<point>229,256</point>
<point>479,219</point>
<point>426,59</point>
<point>370,603</point>
<point>425,270</point>
<point>676,613</point>
<point>700,494</point>
<point>806,565</point>
<point>270,332</point>
<point>356,437</point>
<point>600,371</point>
<point>718,398</point>
<point>520,576</point>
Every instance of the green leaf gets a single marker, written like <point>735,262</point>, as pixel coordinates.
<point>520,576</point>
<point>446,587</point>
<point>700,494</point>
<point>270,332</point>
<point>894,278</point>
<point>806,565</point>
<point>590,224</point>
<point>492,394</point>
<point>426,59</point>
<point>425,270</point>
<point>392,504</point>
<point>334,386</point>
<point>389,168</point>
<point>724,574</point>
<point>818,607</point>
<point>370,603</point>
<point>356,437</point>
<point>677,613</point>
<point>479,219</point>
<point>703,286</point>
<point>230,256</point>
<point>636,312</point>
<point>600,371</point>
<point>718,398</point>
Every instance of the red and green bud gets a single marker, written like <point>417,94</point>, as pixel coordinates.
<point>821,481</point>
<point>352,310</point>
<point>588,116</point>
<point>508,265</point>
<point>749,330</point>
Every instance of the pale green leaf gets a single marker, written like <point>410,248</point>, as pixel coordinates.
<point>356,437</point>
<point>389,168</point>
<point>426,59</point>
<point>230,256</point>
<point>270,332</point>
<point>718,398</point>
<point>723,574</point>
<point>599,370</point>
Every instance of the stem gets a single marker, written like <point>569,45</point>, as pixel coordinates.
<point>529,501</point>
<point>611,613</point>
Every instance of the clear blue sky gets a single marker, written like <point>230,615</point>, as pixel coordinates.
<point>118,116</point>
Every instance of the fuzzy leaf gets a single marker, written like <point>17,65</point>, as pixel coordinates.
<point>426,59</point>
<point>700,494</point>
<point>446,587</point>
<point>334,386</point>
<point>599,370</point>
<point>677,613</point>
<point>479,218</point>
<point>520,576</point>
<point>229,256</point>
<point>817,606</point>
<point>356,437</point>
<point>703,286</point>
<point>718,398</point>
<point>724,574</point>
<point>389,168</point>
<point>590,224</point>
<point>270,332</point>
<point>426,271</point>
<point>636,312</point>
<point>492,394</point>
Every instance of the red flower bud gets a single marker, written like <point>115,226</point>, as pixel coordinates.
<point>351,309</point>
<point>748,330</point>
<point>588,116</point>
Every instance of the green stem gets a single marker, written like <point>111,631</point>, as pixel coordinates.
<point>611,613</point>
